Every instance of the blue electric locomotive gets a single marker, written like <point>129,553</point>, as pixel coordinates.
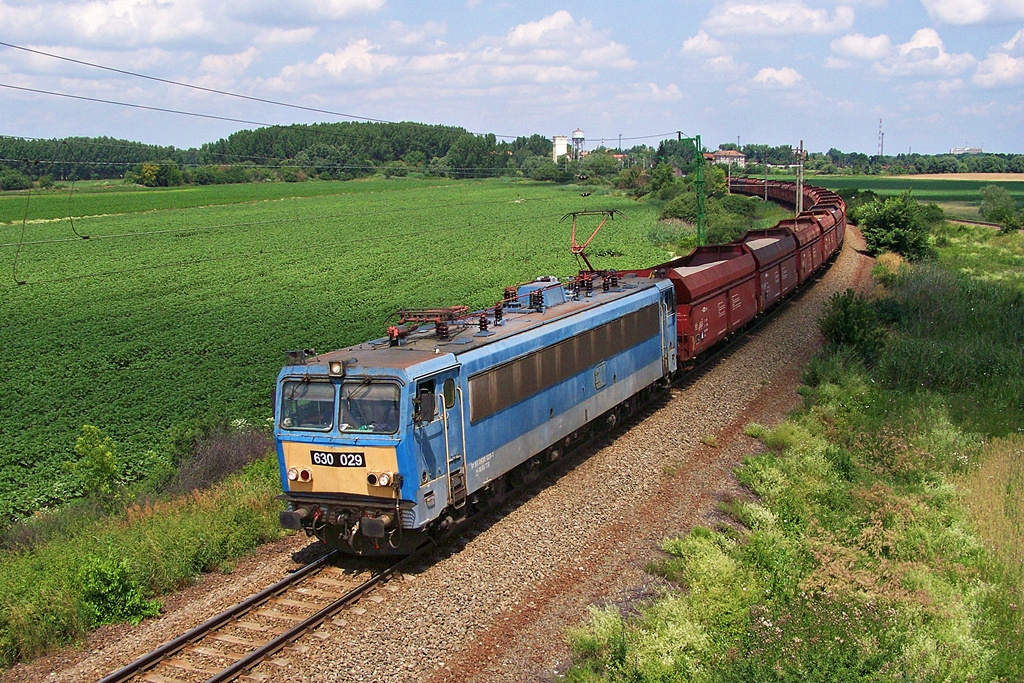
<point>385,443</point>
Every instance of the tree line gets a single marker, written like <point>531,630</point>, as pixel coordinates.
<point>342,151</point>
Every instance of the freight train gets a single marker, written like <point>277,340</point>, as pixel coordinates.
<point>386,444</point>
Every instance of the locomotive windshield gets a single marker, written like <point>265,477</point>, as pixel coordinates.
<point>307,405</point>
<point>369,407</point>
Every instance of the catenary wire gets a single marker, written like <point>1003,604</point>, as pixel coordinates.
<point>227,93</point>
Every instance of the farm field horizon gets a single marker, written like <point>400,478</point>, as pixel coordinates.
<point>958,194</point>
<point>178,310</point>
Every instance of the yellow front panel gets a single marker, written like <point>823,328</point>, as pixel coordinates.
<point>340,479</point>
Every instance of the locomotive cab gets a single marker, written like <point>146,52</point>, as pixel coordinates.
<point>369,453</point>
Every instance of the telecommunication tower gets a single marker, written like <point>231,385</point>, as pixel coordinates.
<point>881,139</point>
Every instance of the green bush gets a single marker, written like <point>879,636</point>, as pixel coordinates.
<point>97,468</point>
<point>850,320</point>
<point>111,592</point>
<point>900,225</point>
<point>14,180</point>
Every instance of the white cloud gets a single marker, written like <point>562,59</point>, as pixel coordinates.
<point>137,22</point>
<point>786,77</point>
<point>836,63</point>
<point>359,61</point>
<point>964,12</point>
<point>556,49</point>
<point>436,63</point>
<point>791,17</point>
<point>999,69</point>
<point>273,37</point>
<point>859,46</point>
<point>342,9</point>
<point>229,65</point>
<point>723,64</point>
<point>1015,44</point>
<point>359,57</point>
<point>702,44</point>
<point>559,39</point>
<point>550,29</point>
<point>670,93</point>
<point>925,55</point>
<point>408,35</point>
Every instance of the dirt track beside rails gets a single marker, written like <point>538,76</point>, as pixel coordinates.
<point>497,607</point>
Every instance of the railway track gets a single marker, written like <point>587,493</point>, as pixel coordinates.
<point>233,642</point>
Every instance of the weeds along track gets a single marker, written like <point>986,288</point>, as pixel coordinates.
<point>230,644</point>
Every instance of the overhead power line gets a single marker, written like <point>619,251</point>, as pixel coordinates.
<point>135,106</point>
<point>226,93</point>
<point>197,87</point>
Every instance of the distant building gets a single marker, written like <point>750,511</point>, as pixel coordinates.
<point>729,157</point>
<point>957,151</point>
<point>560,146</point>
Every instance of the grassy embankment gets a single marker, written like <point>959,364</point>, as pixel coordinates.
<point>173,317</point>
<point>883,540</point>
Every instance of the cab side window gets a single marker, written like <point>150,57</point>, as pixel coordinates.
<point>449,393</point>
<point>424,403</point>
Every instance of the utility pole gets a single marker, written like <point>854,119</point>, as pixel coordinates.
<point>799,178</point>
<point>702,216</point>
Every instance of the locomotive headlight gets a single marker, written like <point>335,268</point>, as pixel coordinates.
<point>305,475</point>
<point>384,479</point>
<point>293,474</point>
<point>336,368</point>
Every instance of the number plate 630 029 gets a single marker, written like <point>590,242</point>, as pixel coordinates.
<point>338,459</point>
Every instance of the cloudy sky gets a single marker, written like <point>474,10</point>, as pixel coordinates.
<point>938,73</point>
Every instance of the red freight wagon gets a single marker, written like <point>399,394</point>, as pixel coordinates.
<point>774,252</point>
<point>827,223</point>
<point>716,294</point>
<point>808,240</point>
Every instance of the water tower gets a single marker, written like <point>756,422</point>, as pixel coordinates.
<point>577,143</point>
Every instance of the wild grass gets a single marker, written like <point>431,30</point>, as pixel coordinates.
<point>993,494</point>
<point>884,542</point>
<point>114,569</point>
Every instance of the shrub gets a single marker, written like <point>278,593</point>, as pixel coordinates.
<point>890,269</point>
<point>14,180</point>
<point>899,224</point>
<point>219,453</point>
<point>111,593</point>
<point>97,468</point>
<point>850,320</point>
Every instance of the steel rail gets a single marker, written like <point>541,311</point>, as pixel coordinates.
<point>264,651</point>
<point>153,658</point>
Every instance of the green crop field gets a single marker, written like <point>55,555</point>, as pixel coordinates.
<point>181,302</point>
<point>98,198</point>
